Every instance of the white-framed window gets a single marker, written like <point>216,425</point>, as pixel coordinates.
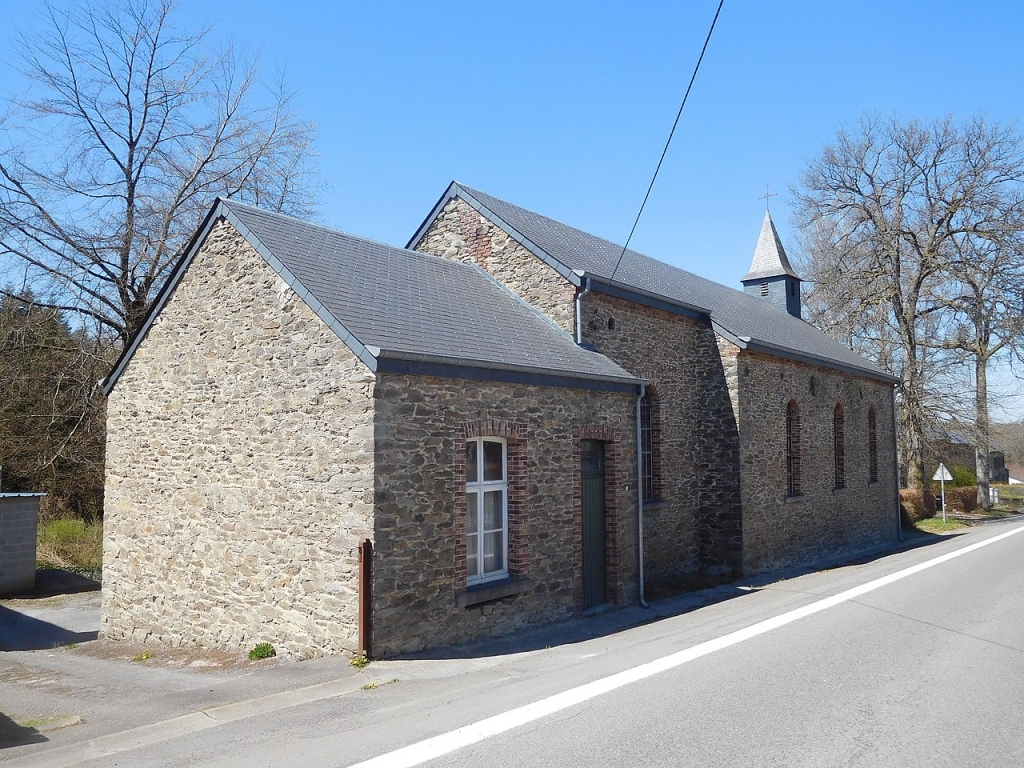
<point>486,509</point>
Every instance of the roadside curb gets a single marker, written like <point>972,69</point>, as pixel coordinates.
<point>145,735</point>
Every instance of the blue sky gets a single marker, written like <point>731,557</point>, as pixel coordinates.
<point>563,107</point>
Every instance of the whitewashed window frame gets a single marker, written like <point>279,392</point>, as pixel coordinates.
<point>480,487</point>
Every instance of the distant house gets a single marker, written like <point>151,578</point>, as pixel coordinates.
<point>1014,473</point>
<point>947,444</point>
<point>997,469</point>
<point>524,431</point>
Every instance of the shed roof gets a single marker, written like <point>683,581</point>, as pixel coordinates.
<point>406,311</point>
<point>748,321</point>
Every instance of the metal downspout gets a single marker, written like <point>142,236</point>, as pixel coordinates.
<point>579,311</point>
<point>896,464</point>
<point>640,498</point>
<point>365,630</point>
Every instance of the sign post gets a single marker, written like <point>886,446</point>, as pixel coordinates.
<point>942,475</point>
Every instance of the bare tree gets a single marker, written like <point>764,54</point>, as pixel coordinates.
<point>984,290</point>
<point>1011,440</point>
<point>887,214</point>
<point>51,414</point>
<point>128,130</point>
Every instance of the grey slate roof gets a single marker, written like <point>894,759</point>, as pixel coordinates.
<point>769,256</point>
<point>748,321</point>
<point>403,310</point>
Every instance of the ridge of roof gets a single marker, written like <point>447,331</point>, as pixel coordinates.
<point>747,321</point>
<point>770,258</point>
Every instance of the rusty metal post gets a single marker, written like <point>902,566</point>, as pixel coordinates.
<point>365,595</point>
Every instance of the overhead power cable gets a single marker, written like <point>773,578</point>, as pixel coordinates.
<point>670,135</point>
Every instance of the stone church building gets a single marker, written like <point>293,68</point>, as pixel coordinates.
<point>524,425</point>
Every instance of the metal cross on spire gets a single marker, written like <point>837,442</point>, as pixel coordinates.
<point>767,196</point>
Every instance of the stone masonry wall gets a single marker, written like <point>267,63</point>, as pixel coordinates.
<point>239,468</point>
<point>823,520</point>
<point>695,525</point>
<point>419,566</point>
<point>460,233</point>
<point>19,519</point>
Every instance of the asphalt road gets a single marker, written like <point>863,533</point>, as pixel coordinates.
<point>927,670</point>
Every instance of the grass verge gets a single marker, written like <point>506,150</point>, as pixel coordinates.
<point>72,545</point>
<point>935,525</point>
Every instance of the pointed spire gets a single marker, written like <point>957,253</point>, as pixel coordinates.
<point>769,256</point>
<point>770,276</point>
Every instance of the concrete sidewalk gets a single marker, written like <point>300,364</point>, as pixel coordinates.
<point>60,686</point>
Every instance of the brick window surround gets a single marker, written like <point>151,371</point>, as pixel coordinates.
<point>839,445</point>
<point>518,489</point>
<point>615,577</point>
<point>792,448</point>
<point>652,421</point>
<point>872,446</point>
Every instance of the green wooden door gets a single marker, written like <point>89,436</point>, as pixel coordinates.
<point>592,485</point>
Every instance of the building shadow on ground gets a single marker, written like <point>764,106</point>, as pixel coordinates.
<point>51,582</point>
<point>21,632</point>
<point>14,735</point>
<point>595,624</point>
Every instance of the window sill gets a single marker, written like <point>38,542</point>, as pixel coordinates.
<point>872,484</point>
<point>495,590</point>
<point>655,503</point>
<point>836,491</point>
<point>794,499</point>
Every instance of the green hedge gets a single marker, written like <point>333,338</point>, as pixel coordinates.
<point>961,499</point>
<point>962,478</point>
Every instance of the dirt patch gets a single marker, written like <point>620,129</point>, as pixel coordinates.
<point>183,657</point>
<point>51,681</point>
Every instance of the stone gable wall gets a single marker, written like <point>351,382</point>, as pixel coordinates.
<point>239,468</point>
<point>823,520</point>
<point>695,526</point>
<point>462,234</point>
<point>419,575</point>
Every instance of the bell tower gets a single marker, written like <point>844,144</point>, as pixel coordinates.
<point>770,276</point>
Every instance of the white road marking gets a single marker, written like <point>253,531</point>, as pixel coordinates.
<point>437,746</point>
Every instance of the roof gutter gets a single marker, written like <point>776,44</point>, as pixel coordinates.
<point>421,357</point>
<point>755,345</point>
<point>632,293</point>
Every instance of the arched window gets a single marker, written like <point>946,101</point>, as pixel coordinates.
<point>839,445</point>
<point>872,446</point>
<point>792,449</point>
<point>649,438</point>
<point>486,509</point>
